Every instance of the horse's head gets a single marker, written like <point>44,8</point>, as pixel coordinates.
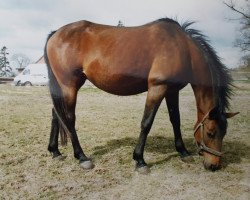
<point>209,134</point>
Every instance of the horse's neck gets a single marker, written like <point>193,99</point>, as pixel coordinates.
<point>205,100</point>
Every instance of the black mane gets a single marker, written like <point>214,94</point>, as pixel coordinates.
<point>222,80</point>
<point>167,20</point>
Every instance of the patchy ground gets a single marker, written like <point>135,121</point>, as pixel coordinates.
<point>108,128</point>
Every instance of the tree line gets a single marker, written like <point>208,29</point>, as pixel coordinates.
<point>20,60</point>
<point>243,38</point>
<point>242,41</point>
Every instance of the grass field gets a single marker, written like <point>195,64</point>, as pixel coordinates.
<point>108,128</point>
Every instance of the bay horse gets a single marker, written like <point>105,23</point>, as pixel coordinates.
<point>160,57</point>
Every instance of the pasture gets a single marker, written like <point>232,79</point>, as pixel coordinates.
<point>108,127</point>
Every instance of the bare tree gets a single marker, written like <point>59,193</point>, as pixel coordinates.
<point>243,11</point>
<point>21,60</point>
<point>243,40</point>
<point>120,24</point>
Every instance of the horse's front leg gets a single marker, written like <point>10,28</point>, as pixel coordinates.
<point>154,98</point>
<point>172,99</point>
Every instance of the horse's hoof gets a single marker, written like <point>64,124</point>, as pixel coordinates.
<point>87,164</point>
<point>143,170</point>
<point>187,159</point>
<point>59,157</point>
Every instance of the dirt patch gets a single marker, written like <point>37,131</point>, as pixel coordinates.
<point>108,128</point>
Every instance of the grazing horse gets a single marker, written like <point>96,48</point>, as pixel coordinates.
<point>160,57</point>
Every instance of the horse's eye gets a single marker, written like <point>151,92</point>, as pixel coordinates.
<point>211,135</point>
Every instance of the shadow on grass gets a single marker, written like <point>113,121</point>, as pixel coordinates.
<point>235,151</point>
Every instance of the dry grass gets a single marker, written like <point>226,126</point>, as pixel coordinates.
<point>108,128</point>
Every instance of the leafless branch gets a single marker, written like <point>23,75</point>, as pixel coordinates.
<point>232,6</point>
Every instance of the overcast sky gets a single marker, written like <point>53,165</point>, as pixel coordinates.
<point>25,23</point>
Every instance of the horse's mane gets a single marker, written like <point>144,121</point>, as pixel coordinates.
<point>222,80</point>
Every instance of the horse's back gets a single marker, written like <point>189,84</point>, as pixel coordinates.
<point>119,60</point>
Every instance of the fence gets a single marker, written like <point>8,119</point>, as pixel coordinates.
<point>4,80</point>
<point>240,75</point>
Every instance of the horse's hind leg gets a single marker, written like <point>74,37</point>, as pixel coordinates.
<point>172,99</point>
<point>53,141</point>
<point>154,98</point>
<point>70,95</point>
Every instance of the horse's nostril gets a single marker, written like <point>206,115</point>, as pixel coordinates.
<point>213,167</point>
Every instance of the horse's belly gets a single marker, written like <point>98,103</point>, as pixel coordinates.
<point>120,77</point>
<point>119,84</point>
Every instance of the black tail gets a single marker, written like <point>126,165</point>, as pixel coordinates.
<point>57,97</point>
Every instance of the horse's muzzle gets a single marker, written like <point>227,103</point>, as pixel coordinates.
<point>211,167</point>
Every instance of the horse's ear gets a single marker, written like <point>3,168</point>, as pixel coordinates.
<point>214,113</point>
<point>229,115</point>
